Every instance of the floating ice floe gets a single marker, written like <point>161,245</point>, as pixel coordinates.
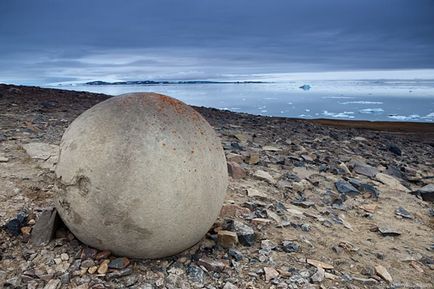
<point>361,102</point>
<point>404,117</point>
<point>428,117</point>
<point>345,114</point>
<point>376,110</point>
<point>337,97</point>
<point>305,87</point>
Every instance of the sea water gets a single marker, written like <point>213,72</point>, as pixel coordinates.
<point>385,100</point>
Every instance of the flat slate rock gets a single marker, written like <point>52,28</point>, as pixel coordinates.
<point>43,231</point>
<point>346,188</point>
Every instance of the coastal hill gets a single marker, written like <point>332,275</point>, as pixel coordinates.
<point>310,204</point>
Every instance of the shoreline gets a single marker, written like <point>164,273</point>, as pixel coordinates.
<point>389,126</point>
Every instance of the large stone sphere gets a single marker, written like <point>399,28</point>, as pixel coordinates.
<point>142,175</point>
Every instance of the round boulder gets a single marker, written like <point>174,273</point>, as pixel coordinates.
<point>142,175</point>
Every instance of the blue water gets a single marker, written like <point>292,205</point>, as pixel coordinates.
<point>391,100</point>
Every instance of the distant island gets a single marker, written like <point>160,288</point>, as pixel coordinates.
<point>99,82</point>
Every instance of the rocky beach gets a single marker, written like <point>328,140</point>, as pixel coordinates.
<point>310,204</point>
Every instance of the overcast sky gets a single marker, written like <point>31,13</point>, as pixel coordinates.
<point>61,41</point>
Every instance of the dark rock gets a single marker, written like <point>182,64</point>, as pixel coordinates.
<point>88,253</point>
<point>195,273</point>
<point>366,170</point>
<point>246,235</point>
<point>119,273</point>
<point>119,263</point>
<point>403,213</point>
<point>237,255</point>
<point>3,137</point>
<point>394,149</point>
<point>426,193</point>
<point>13,227</point>
<point>212,265</point>
<point>303,204</point>
<point>290,247</point>
<point>44,229</point>
<point>346,188</point>
<point>384,231</point>
<point>367,188</point>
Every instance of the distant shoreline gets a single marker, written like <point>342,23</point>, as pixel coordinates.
<point>16,93</point>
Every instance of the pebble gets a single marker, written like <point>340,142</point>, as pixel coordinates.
<point>53,284</point>
<point>227,239</point>
<point>319,264</point>
<point>13,227</point>
<point>290,247</point>
<point>386,231</point>
<point>383,273</point>
<point>103,267</point>
<point>119,263</point>
<point>235,170</point>
<point>246,235</point>
<point>270,273</point>
<point>403,213</point>
<point>319,275</point>
<point>119,273</point>
<point>212,265</point>
<point>102,255</point>
<point>264,176</point>
<point>195,274</point>
<point>346,188</point>
<point>229,285</point>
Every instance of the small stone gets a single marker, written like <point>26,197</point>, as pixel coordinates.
<point>227,239</point>
<point>391,182</point>
<point>195,274</point>
<point>270,273</point>
<point>383,273</point>
<point>3,159</point>
<point>246,235</point>
<point>271,149</point>
<point>268,245</point>
<point>386,231</point>
<point>403,213</point>
<point>319,264</point>
<point>253,158</point>
<point>64,257</point>
<point>235,170</point>
<point>212,265</point>
<point>13,227</point>
<point>231,157</point>
<point>119,263</point>
<point>53,284</point>
<point>290,247</point>
<point>65,278</point>
<point>119,273</point>
<point>394,149</point>
<point>365,170</point>
<point>88,253</point>
<point>344,168</point>
<point>44,229</point>
<point>102,255</point>
<point>319,275</point>
<point>263,176</point>
<point>92,270</point>
<point>103,267</point>
<point>229,285</point>
<point>232,210</point>
<point>237,255</point>
<point>86,264</point>
<point>346,188</point>
<point>303,204</point>
<point>370,208</point>
<point>255,193</point>
<point>426,193</point>
<point>26,230</point>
